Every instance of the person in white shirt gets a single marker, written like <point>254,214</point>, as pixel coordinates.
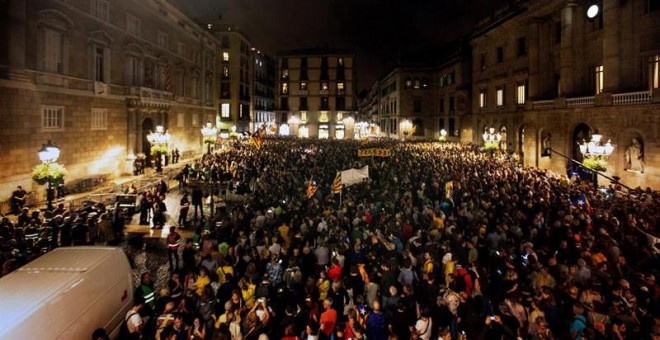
<point>424,325</point>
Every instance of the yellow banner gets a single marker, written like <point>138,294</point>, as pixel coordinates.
<point>374,152</point>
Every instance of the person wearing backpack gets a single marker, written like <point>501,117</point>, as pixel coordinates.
<point>133,324</point>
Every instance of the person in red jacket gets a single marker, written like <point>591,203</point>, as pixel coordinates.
<point>334,273</point>
<point>328,318</point>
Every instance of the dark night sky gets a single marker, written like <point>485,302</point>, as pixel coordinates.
<point>379,31</point>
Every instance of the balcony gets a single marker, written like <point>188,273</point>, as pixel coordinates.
<point>150,97</point>
<point>324,92</point>
<point>632,98</point>
<point>580,101</point>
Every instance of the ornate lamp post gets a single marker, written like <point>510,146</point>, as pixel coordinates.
<point>48,154</point>
<point>596,154</point>
<point>406,127</point>
<point>443,136</point>
<point>210,135</point>
<point>491,140</point>
<point>160,141</point>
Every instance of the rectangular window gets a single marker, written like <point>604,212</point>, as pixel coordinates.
<point>656,71</point>
<point>284,103</point>
<point>224,110</point>
<point>324,103</point>
<point>482,61</point>
<point>303,115</point>
<point>225,72</point>
<point>163,40</point>
<point>323,116</point>
<point>132,24</point>
<point>442,105</point>
<point>180,83</point>
<point>225,41</point>
<point>482,99</point>
<point>500,54</point>
<point>558,32</point>
<point>340,116</point>
<point>522,46</point>
<point>285,88</point>
<point>340,88</point>
<point>285,74</point>
<point>500,96</point>
<point>101,9</point>
<point>522,94</point>
<point>324,87</point>
<point>225,57</point>
<point>599,79</point>
<point>452,104</point>
<point>340,103</point>
<point>417,105</point>
<point>303,103</point>
<point>52,117</point>
<point>98,64</point>
<point>654,5</point>
<point>99,119</point>
<point>180,120</point>
<point>194,87</point>
<point>303,86</point>
<point>195,119</point>
<point>53,53</point>
<point>133,70</point>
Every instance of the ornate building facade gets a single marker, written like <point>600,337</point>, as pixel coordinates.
<point>547,76</point>
<point>316,94</point>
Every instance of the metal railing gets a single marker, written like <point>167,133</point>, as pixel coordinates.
<point>544,104</point>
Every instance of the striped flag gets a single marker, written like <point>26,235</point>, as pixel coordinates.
<point>336,184</point>
<point>168,78</point>
<point>311,188</point>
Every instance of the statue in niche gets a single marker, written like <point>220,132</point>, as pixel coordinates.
<point>546,145</point>
<point>634,156</point>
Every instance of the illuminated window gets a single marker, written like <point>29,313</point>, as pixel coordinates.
<point>303,131</point>
<point>323,131</point>
<point>416,84</point>
<point>340,88</point>
<point>99,119</point>
<point>408,83</point>
<point>285,74</point>
<point>500,96</point>
<point>339,132</point>
<point>324,86</point>
<point>340,116</point>
<point>52,117</point>
<point>323,116</point>
<point>225,57</point>
<point>303,116</point>
<point>656,71</point>
<point>599,79</point>
<point>522,94</point>
<point>482,99</point>
<point>303,86</point>
<point>224,110</point>
<point>285,88</point>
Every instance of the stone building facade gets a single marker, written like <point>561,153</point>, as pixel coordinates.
<point>547,76</point>
<point>316,93</point>
<point>95,77</point>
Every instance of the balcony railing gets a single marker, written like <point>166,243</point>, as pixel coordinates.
<point>631,98</point>
<point>544,104</point>
<point>580,101</point>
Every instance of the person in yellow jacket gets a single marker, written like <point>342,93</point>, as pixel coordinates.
<point>247,292</point>
<point>201,282</point>
<point>223,269</point>
<point>427,269</point>
<point>323,285</point>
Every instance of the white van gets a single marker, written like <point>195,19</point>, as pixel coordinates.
<point>67,294</point>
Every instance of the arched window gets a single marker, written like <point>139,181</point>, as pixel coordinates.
<point>408,83</point>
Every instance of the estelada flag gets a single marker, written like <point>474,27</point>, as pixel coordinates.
<point>311,188</point>
<point>336,184</point>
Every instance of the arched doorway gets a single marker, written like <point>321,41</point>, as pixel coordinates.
<point>147,128</point>
<point>582,132</point>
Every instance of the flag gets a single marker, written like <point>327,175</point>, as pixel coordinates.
<point>256,138</point>
<point>336,184</point>
<point>582,202</point>
<point>311,188</point>
<point>168,78</point>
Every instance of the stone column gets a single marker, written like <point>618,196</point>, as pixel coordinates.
<point>566,81</point>
<point>611,59</point>
<point>533,53</point>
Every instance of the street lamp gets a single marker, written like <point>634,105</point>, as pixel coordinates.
<point>48,154</point>
<point>596,154</point>
<point>406,127</point>
<point>443,135</point>
<point>491,140</point>
<point>210,135</point>
<point>159,140</point>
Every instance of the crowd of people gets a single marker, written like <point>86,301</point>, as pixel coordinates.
<point>442,241</point>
